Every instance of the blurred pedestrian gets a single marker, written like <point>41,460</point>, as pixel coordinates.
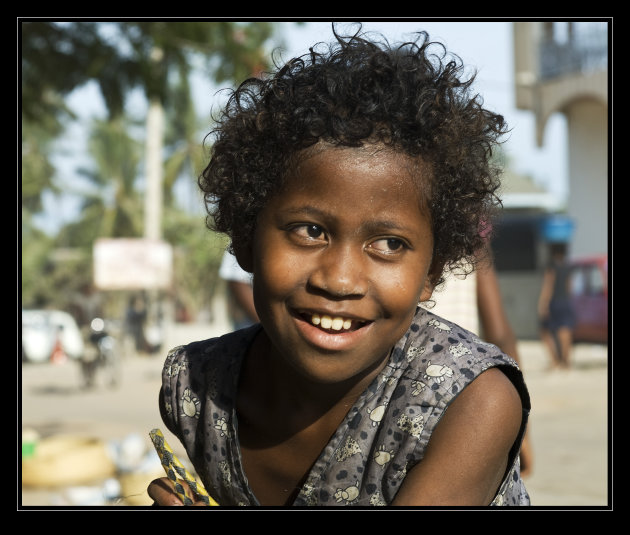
<point>475,302</point>
<point>135,319</point>
<point>555,309</point>
<point>240,293</point>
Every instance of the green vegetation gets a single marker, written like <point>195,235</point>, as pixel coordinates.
<point>157,57</point>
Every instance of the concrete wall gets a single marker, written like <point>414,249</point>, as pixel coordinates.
<point>520,291</point>
<point>582,96</point>
<point>588,170</point>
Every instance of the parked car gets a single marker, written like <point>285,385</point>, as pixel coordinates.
<point>589,291</point>
<point>41,329</point>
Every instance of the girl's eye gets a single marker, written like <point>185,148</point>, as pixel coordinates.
<point>388,245</point>
<point>311,232</point>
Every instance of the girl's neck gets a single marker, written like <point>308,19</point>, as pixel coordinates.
<point>279,385</point>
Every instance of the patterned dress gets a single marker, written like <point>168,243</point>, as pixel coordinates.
<point>383,435</point>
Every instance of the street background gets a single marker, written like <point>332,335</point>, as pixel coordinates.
<point>569,428</point>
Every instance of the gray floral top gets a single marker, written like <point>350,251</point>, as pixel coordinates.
<point>382,436</point>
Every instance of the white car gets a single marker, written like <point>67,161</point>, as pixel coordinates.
<point>42,328</point>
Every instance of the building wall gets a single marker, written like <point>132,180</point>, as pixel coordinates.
<point>581,94</point>
<point>588,168</point>
<point>520,291</point>
<point>554,76</point>
<point>520,256</point>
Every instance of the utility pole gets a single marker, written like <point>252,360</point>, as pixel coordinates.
<point>153,199</point>
<point>154,173</point>
<point>153,154</point>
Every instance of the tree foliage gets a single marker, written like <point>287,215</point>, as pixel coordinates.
<point>158,58</point>
<point>112,208</point>
<point>58,58</point>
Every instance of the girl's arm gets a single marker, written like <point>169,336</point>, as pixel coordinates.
<point>466,458</point>
<point>497,330</point>
<point>545,293</point>
<point>495,326</point>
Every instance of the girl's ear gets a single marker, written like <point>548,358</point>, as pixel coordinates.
<point>427,291</point>
<point>244,256</point>
<point>433,278</point>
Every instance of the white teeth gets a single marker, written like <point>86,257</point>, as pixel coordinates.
<point>336,324</point>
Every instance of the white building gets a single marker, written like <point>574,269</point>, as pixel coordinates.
<point>563,67</point>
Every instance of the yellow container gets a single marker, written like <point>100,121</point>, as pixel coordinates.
<point>67,460</point>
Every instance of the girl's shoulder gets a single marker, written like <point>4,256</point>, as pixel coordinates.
<point>446,357</point>
<point>199,372</point>
<point>206,367</point>
<point>225,349</point>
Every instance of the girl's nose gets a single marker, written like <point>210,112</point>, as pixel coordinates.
<point>339,272</point>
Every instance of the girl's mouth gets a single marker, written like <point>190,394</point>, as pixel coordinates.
<point>333,323</point>
<point>329,332</point>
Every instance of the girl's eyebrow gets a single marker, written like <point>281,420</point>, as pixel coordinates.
<point>307,209</point>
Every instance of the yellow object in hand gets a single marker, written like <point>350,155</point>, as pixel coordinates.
<point>175,471</point>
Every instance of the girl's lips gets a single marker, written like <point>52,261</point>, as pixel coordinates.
<point>334,322</point>
<point>331,333</point>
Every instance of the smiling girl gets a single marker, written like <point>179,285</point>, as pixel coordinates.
<point>348,182</point>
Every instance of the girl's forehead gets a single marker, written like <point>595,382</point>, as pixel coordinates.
<point>332,150</point>
<point>363,163</point>
<point>352,182</point>
<point>374,155</point>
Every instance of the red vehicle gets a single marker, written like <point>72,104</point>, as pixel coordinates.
<point>589,290</point>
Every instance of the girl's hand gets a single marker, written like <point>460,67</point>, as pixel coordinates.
<point>163,493</point>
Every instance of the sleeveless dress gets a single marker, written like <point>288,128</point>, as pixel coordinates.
<point>383,435</point>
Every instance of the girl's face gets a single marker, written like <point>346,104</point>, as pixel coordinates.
<point>341,258</point>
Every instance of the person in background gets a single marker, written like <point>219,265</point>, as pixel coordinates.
<point>135,320</point>
<point>555,310</point>
<point>241,298</point>
<point>475,302</point>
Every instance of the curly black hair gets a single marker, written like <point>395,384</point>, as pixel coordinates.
<point>411,97</point>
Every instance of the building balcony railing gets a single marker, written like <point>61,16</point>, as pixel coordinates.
<point>581,53</point>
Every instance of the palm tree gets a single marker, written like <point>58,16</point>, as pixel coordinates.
<point>60,57</point>
<point>120,56</point>
<point>112,206</point>
<point>183,151</point>
<point>166,49</point>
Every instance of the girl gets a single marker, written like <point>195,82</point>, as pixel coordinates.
<point>349,181</point>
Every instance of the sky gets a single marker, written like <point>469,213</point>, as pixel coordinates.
<point>484,46</point>
<point>488,48</point>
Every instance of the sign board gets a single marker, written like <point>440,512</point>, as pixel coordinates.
<point>132,264</point>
